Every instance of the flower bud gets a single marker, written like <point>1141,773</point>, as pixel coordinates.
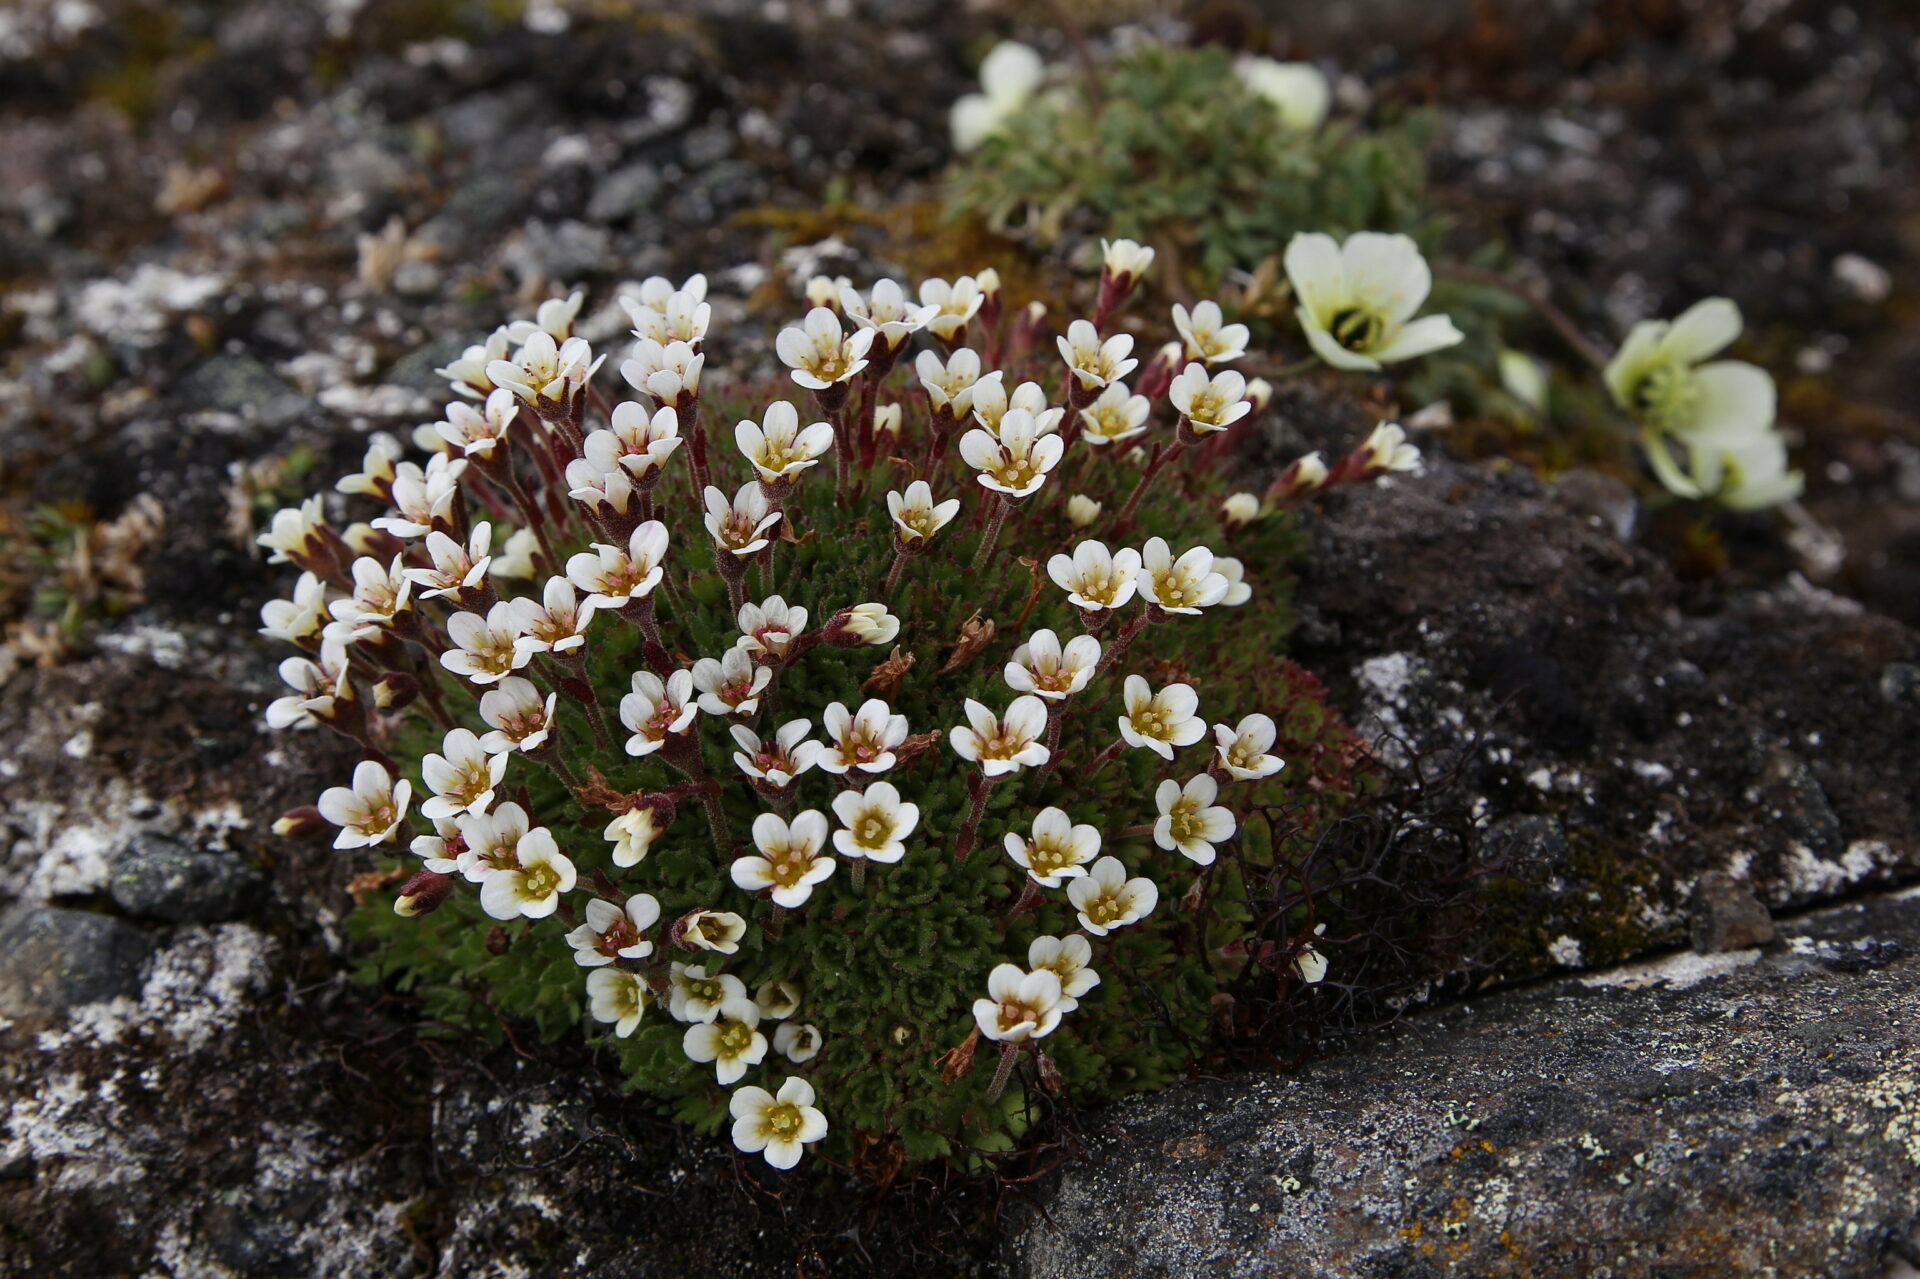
<point>886,420</point>
<point>1306,476</point>
<point>862,624</point>
<point>395,690</point>
<point>824,290</point>
<point>989,283</point>
<point>1259,394</point>
<point>1239,510</point>
<point>424,893</point>
<point>301,823</point>
<point>1082,510</point>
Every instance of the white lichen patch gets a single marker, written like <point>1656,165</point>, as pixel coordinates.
<point>74,1128</point>
<point>1565,951</point>
<point>1677,972</point>
<point>1808,875</point>
<point>136,310</point>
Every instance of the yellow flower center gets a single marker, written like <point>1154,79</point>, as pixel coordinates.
<point>789,864</point>
<point>735,1038</point>
<point>1050,855</point>
<point>783,1119</point>
<point>1355,328</point>
<point>542,881</point>
<point>1151,721</point>
<point>1104,909</point>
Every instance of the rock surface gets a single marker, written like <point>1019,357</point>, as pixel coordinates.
<point>52,961</point>
<point>1741,1114</point>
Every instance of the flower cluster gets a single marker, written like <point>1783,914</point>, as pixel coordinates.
<point>753,726</point>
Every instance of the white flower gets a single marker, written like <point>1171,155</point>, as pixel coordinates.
<point>1243,750</point>
<point>824,290</point>
<point>732,685</point>
<point>1095,579</point>
<point>655,709</point>
<point>732,1041</point>
<point>959,302</point>
<point>601,489</point>
<point>991,404</point>
<point>318,688</point>
<point>864,739</point>
<point>1310,963</point>
<point>889,312</point>
<point>485,651</point>
<point>1020,1005</point>
<point>768,629</point>
<point>377,469</point>
<point>1126,260</point>
<point>1009,74</point>
<point>1189,819</point>
<point>695,997</point>
<point>669,372</point>
<point>440,851</point>
<point>1018,462</point>
<point>468,374</point>
<point>636,443</point>
<point>1386,449</point>
<point>875,823</point>
<point>422,499</point>
<point>798,1043</point>
<point>716,930</point>
<point>1185,585</point>
<point>776,765</point>
<point>779,1125</point>
<point>1356,301</point>
<point>740,528</point>
<point>1209,403</point>
<point>298,532</point>
<point>1238,591</point>
<point>614,576</point>
<point>916,515</point>
<point>490,841</point>
<point>1093,363</point>
<point>532,884</point>
<point>369,811</point>
<point>1114,416</point>
<point>303,616</point>
<point>777,448</point>
<point>463,778</point>
<point>1067,958</point>
<point>617,997</point>
<point>1304,476</point>
<point>951,385</point>
<point>870,624</point>
<point>514,563</point>
<point>790,861</point>
<point>550,377</point>
<point>1006,744</point>
<point>520,718</point>
<point>1665,376</point>
<point>820,353</point>
<point>1106,899</point>
<point>1082,510</point>
<point>455,567</point>
<point>554,317</point>
<point>613,932</point>
<point>1240,509</point>
<point>478,432</point>
<point>777,1000</point>
<point>1043,667</point>
<point>379,596</point>
<point>1058,850</point>
<point>1205,337</point>
<point>1744,475</point>
<point>887,419</point>
<point>682,315</point>
<point>1160,721</point>
<point>1297,90</point>
<point>632,834</point>
<point>555,624</point>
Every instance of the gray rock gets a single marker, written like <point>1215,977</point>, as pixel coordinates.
<point>635,188</point>
<point>1733,1114</point>
<point>159,878</point>
<point>553,252</point>
<point>53,960</point>
<point>417,280</point>
<point>242,385</point>
<point>1727,915</point>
